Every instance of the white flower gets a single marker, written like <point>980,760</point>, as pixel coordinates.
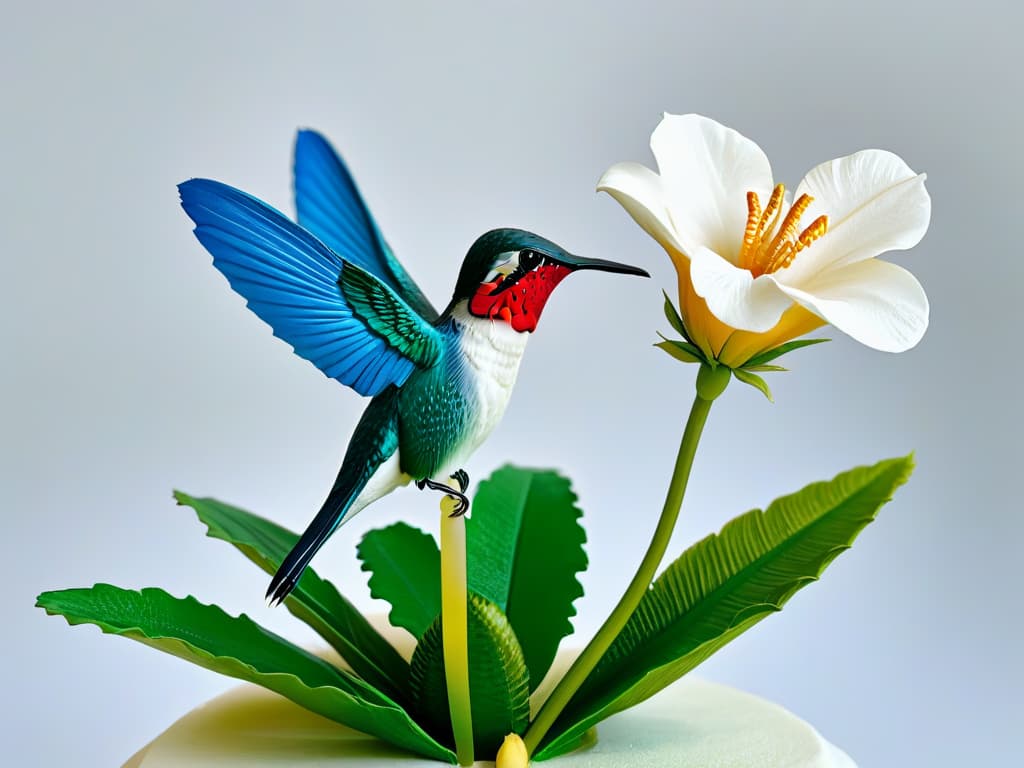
<point>768,269</point>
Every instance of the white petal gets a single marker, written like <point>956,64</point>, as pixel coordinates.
<point>707,170</point>
<point>874,203</point>
<point>734,296</point>
<point>877,303</point>
<point>639,190</point>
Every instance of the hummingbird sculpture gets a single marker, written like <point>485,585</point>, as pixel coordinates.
<point>331,287</point>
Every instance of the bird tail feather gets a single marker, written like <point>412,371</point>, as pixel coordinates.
<point>374,441</point>
<point>324,524</point>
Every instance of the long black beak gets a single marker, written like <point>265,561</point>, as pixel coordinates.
<point>579,262</point>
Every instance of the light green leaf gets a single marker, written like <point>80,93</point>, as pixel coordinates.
<point>682,351</point>
<point>753,380</point>
<point>406,567</point>
<point>524,548</point>
<point>765,368</point>
<point>240,648</point>
<point>674,319</point>
<point>722,586</point>
<point>315,600</point>
<point>789,346</point>
<point>498,680</point>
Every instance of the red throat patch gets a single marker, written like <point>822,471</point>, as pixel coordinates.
<point>519,306</point>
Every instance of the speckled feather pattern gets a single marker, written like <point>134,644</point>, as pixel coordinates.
<point>447,411</point>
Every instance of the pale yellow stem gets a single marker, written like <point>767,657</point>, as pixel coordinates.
<point>454,628</point>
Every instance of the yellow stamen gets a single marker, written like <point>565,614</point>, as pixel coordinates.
<point>771,212</point>
<point>750,233</point>
<point>782,257</point>
<point>790,223</point>
<point>818,228</point>
<point>768,246</point>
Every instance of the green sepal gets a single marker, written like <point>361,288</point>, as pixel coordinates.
<point>524,546</point>
<point>240,648</point>
<point>765,368</point>
<point>405,564</point>
<point>498,680</point>
<point>744,375</point>
<point>674,318</point>
<point>789,346</point>
<point>681,350</point>
<point>314,600</point>
<point>722,586</point>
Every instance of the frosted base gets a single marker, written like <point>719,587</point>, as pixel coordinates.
<point>692,723</point>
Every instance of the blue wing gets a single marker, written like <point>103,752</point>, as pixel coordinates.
<point>290,279</point>
<point>329,205</point>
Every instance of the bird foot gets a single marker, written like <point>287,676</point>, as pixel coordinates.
<point>462,501</point>
<point>462,478</point>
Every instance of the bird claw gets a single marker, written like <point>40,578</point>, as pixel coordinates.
<point>461,500</point>
<point>462,478</point>
<point>461,506</point>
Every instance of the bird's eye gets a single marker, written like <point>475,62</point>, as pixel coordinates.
<point>529,259</point>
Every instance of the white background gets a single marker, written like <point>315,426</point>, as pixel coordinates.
<point>129,367</point>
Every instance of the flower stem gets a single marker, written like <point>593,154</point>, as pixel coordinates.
<point>454,628</point>
<point>587,660</point>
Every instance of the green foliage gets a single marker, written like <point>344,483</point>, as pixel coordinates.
<point>498,680</point>
<point>684,351</point>
<point>722,586</point>
<point>315,600</point>
<point>772,354</point>
<point>674,318</point>
<point>681,351</point>
<point>765,368</point>
<point>688,352</point>
<point>753,380</point>
<point>524,548</point>
<point>238,647</point>
<point>406,567</point>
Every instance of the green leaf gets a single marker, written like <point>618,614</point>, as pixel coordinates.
<point>406,567</point>
<point>681,350</point>
<point>674,318</point>
<point>765,368</point>
<point>753,380</point>
<point>240,648</point>
<point>789,346</point>
<point>498,680</point>
<point>722,586</point>
<point>524,548</point>
<point>315,600</point>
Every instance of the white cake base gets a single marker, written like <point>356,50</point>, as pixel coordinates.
<point>693,723</point>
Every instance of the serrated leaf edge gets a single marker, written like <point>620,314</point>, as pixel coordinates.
<point>106,628</point>
<point>555,743</point>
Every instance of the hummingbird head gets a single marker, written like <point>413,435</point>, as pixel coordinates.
<point>509,274</point>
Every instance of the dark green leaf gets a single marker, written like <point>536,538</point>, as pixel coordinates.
<point>753,380</point>
<point>406,567</point>
<point>315,600</point>
<point>238,647</point>
<point>498,680</point>
<point>681,350</point>
<point>524,548</point>
<point>725,584</point>
<point>674,319</point>
<point>789,346</point>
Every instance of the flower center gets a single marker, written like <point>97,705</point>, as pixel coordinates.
<point>768,245</point>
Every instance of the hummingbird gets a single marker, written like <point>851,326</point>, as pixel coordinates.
<point>331,287</point>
